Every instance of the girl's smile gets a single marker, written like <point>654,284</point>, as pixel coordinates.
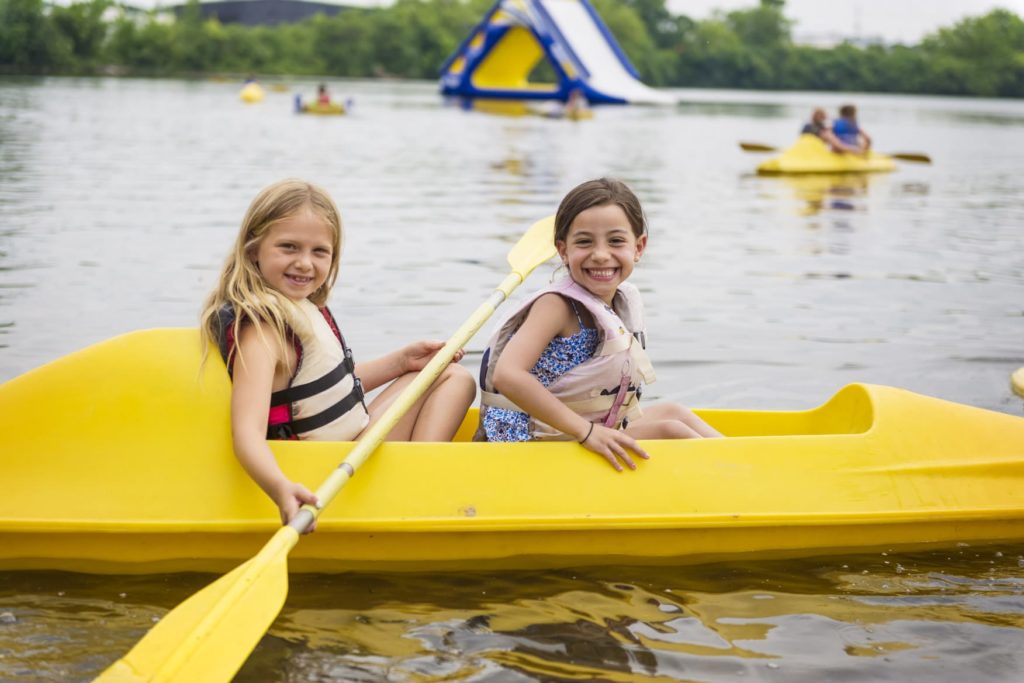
<point>601,249</point>
<point>295,255</point>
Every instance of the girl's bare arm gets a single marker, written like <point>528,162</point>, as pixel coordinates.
<point>551,316</point>
<point>250,404</point>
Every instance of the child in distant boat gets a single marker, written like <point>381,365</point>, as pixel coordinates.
<point>293,375</point>
<point>848,133</point>
<point>819,127</point>
<point>570,362</point>
<point>323,97</point>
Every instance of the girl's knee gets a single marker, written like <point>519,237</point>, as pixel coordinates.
<point>460,379</point>
<point>458,375</point>
<point>678,429</point>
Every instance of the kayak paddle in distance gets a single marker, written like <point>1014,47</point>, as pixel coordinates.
<point>209,636</point>
<point>903,156</point>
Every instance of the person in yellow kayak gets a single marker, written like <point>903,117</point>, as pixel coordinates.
<point>323,98</point>
<point>293,375</point>
<point>570,362</point>
<point>848,133</point>
<point>819,127</point>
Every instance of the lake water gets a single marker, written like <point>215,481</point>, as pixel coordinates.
<point>120,198</point>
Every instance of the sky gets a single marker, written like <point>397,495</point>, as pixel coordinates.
<point>894,21</point>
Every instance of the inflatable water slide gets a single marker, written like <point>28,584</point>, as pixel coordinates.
<point>499,56</point>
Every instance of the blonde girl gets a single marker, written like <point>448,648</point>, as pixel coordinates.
<point>570,363</point>
<point>293,375</point>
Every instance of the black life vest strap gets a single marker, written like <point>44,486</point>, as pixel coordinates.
<point>325,417</point>
<point>301,391</point>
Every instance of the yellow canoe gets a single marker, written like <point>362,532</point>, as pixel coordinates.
<point>332,109</point>
<point>118,458</point>
<point>810,155</point>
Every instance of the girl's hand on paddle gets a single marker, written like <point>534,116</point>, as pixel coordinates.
<point>613,445</point>
<point>290,498</point>
<point>416,355</point>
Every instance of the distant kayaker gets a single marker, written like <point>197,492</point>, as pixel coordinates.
<point>570,362</point>
<point>818,126</point>
<point>576,105</point>
<point>322,96</point>
<point>850,136</point>
<point>294,376</point>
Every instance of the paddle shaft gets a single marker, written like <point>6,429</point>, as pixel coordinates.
<point>380,429</point>
<point>902,156</point>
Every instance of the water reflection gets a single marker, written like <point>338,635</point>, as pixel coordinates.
<point>827,192</point>
<point>879,617</point>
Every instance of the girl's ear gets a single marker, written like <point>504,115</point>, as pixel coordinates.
<point>252,254</point>
<point>560,246</point>
<point>641,244</point>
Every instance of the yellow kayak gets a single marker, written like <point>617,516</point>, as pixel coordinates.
<point>118,458</point>
<point>332,109</point>
<point>810,155</point>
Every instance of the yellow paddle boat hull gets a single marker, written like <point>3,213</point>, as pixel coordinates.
<point>810,155</point>
<point>332,109</point>
<point>118,458</point>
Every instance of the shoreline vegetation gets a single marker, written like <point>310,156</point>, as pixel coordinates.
<point>748,48</point>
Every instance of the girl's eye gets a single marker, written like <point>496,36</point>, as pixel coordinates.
<point>323,252</point>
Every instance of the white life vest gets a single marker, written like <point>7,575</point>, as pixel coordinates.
<point>604,389</point>
<point>324,398</point>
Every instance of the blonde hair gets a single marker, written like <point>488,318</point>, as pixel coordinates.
<point>242,285</point>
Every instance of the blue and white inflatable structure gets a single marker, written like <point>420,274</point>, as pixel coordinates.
<point>496,60</point>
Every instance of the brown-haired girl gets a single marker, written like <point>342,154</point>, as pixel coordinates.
<point>570,363</point>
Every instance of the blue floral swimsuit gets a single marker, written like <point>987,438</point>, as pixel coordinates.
<point>560,356</point>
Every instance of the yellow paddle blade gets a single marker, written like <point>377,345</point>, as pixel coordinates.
<point>207,638</point>
<point>534,248</point>
<point>912,156</point>
<point>756,147</point>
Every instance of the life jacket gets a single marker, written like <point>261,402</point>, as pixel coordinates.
<point>846,130</point>
<point>604,389</point>
<point>324,399</point>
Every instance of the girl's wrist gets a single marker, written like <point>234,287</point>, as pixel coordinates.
<point>586,433</point>
<point>279,491</point>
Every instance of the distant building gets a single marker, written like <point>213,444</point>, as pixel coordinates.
<point>263,12</point>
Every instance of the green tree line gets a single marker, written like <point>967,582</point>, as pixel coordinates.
<point>746,48</point>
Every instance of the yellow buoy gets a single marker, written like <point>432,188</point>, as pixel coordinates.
<point>1017,381</point>
<point>252,92</point>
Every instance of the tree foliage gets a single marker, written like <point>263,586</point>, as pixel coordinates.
<point>745,48</point>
